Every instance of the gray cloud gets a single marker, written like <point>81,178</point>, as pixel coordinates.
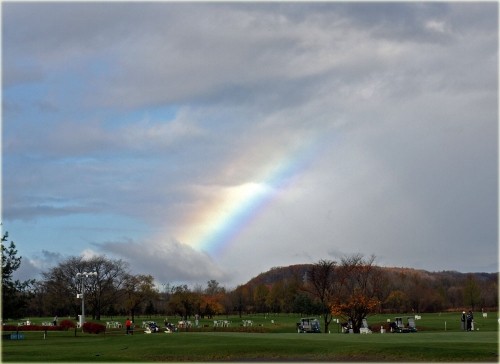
<point>169,261</point>
<point>32,267</point>
<point>152,112</point>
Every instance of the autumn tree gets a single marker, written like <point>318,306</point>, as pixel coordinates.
<point>139,289</point>
<point>240,299</point>
<point>210,305</point>
<point>489,293</point>
<point>276,297</point>
<point>472,292</point>
<point>321,282</point>
<point>211,299</point>
<point>260,294</point>
<point>356,290</point>
<point>416,291</point>
<point>397,301</point>
<point>182,301</point>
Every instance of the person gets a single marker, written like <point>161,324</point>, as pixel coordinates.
<point>55,321</point>
<point>463,320</point>
<point>128,325</point>
<point>470,318</point>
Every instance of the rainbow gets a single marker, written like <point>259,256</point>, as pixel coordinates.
<point>219,224</point>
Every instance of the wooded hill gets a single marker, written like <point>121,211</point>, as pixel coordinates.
<point>408,289</point>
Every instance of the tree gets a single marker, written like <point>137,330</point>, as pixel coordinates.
<point>260,295</point>
<point>183,302</point>
<point>240,298</point>
<point>276,297</point>
<point>321,284</point>
<point>211,300</point>
<point>291,290</point>
<point>139,289</point>
<point>472,292</point>
<point>213,288</point>
<point>62,284</point>
<point>304,305</point>
<point>150,309</point>
<point>357,289</point>
<point>210,305</point>
<point>15,294</point>
<point>397,301</point>
<point>106,289</point>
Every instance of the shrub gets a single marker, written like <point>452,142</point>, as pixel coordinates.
<point>67,324</point>
<point>93,328</point>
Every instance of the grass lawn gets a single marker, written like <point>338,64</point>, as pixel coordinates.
<point>278,343</point>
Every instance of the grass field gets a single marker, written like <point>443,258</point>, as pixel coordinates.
<point>267,341</point>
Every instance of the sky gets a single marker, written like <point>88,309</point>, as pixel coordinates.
<point>201,141</point>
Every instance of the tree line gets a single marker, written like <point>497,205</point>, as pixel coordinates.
<point>351,289</point>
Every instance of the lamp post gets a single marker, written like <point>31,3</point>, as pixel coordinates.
<point>82,277</point>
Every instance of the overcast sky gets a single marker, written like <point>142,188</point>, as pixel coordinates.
<point>204,141</point>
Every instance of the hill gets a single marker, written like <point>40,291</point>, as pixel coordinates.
<point>416,289</point>
<point>299,271</point>
<point>280,274</point>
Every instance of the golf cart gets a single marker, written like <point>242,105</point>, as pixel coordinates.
<point>152,328</point>
<point>398,326</point>
<point>307,325</point>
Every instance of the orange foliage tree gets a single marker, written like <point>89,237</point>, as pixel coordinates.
<point>355,308</point>
<point>211,304</point>
<point>357,289</point>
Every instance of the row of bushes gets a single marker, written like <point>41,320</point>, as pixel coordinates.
<point>93,328</point>
<point>89,327</point>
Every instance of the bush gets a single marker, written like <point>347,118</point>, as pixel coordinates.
<point>93,328</point>
<point>67,324</point>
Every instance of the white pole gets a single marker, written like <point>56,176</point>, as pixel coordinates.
<point>83,305</point>
<point>84,276</point>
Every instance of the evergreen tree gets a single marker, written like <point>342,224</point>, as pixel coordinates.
<point>15,294</point>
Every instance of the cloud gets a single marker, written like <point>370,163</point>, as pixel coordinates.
<point>32,267</point>
<point>381,118</point>
<point>168,261</point>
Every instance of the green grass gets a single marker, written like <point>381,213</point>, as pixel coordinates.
<point>277,341</point>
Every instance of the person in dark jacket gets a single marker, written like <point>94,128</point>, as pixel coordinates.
<point>470,318</point>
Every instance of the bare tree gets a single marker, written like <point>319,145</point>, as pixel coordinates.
<point>321,284</point>
<point>106,288</point>
<point>62,284</point>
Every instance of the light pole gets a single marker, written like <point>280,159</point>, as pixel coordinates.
<point>82,277</point>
